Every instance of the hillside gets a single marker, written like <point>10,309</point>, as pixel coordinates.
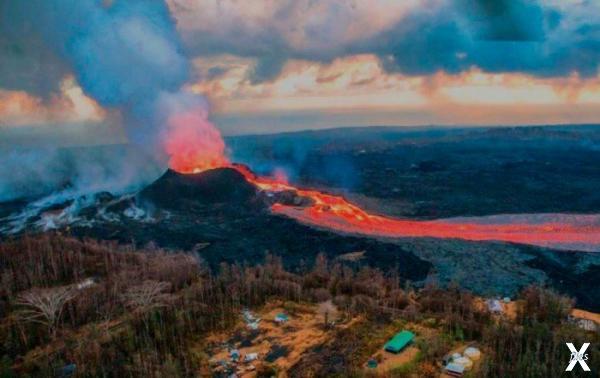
<point>118,311</point>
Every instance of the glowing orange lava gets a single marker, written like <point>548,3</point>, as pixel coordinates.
<point>193,143</point>
<point>577,232</point>
<point>559,231</point>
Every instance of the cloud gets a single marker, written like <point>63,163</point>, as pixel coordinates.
<point>360,81</point>
<point>542,38</point>
<point>273,31</point>
<point>267,68</point>
<point>356,90</point>
<point>70,105</point>
<point>507,20</point>
<point>123,52</point>
<point>287,55</point>
<point>26,63</point>
<point>495,36</point>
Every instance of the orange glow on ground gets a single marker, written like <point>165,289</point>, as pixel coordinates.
<point>567,232</point>
<point>578,232</point>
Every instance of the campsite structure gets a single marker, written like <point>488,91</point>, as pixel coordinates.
<point>399,342</point>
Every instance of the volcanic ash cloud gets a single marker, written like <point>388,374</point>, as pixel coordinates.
<point>127,55</point>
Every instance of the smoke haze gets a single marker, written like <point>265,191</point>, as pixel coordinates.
<point>36,172</point>
<point>127,56</point>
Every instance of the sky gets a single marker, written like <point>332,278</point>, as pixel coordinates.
<point>268,66</point>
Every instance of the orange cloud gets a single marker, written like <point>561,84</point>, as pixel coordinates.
<point>71,105</point>
<point>477,87</point>
<point>360,83</point>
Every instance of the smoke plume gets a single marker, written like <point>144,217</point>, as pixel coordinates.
<point>127,56</point>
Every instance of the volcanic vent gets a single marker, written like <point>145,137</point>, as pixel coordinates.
<point>221,185</point>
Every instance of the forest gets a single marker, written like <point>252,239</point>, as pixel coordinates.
<point>72,307</point>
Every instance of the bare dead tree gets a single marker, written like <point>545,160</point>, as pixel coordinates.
<point>45,306</point>
<point>147,296</point>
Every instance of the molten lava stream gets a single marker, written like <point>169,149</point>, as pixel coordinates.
<point>577,232</point>
<point>558,231</point>
<point>549,234</point>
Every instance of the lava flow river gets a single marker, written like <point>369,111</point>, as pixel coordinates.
<point>558,231</point>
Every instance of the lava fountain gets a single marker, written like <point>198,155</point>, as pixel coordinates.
<point>193,143</point>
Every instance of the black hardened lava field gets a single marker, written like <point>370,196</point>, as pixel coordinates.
<point>299,188</point>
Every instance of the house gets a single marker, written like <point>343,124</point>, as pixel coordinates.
<point>455,370</point>
<point>399,341</point>
<point>281,318</point>
<point>234,354</point>
<point>250,357</point>
<point>466,362</point>
<point>88,282</point>
<point>472,353</point>
<point>248,316</point>
<point>585,324</point>
<point>446,360</point>
<point>252,322</point>
<point>495,306</point>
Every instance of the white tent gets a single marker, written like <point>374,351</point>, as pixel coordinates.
<point>473,353</point>
<point>495,306</point>
<point>464,361</point>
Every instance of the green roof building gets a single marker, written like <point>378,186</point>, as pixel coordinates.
<point>399,341</point>
<point>281,318</point>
